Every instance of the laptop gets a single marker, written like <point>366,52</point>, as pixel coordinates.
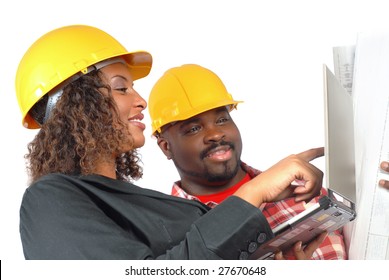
<point>336,209</point>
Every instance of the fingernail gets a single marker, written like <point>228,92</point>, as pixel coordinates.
<point>279,254</point>
<point>299,244</point>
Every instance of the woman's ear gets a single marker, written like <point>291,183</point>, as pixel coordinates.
<point>164,146</point>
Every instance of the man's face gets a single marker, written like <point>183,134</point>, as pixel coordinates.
<point>206,148</point>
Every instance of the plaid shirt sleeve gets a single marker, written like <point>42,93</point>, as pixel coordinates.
<point>333,246</point>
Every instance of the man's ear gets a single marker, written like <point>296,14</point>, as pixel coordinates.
<point>164,146</point>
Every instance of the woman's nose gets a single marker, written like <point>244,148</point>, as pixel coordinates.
<point>139,101</point>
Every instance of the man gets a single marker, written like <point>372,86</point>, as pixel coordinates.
<point>190,112</point>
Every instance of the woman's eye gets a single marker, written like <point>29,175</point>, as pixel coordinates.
<point>124,90</point>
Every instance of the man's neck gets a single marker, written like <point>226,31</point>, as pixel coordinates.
<point>202,187</point>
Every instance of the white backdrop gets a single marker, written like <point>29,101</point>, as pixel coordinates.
<point>269,53</point>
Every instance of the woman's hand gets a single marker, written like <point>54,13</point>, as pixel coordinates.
<point>279,181</point>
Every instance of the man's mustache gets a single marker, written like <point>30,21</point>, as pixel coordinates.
<point>204,153</point>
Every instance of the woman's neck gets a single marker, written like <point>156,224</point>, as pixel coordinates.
<point>106,168</point>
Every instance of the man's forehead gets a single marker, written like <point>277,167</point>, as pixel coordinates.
<point>201,115</point>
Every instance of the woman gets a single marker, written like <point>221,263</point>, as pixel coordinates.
<point>76,84</point>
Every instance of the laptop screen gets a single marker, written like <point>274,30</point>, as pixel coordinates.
<point>339,137</point>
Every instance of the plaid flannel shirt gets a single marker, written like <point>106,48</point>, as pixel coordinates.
<point>333,246</point>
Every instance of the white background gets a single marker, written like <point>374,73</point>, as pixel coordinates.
<point>268,53</point>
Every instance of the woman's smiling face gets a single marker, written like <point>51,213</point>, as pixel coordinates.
<point>129,103</point>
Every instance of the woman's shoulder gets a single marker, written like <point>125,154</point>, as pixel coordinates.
<point>52,185</point>
<point>97,184</point>
<point>79,187</point>
<point>53,180</point>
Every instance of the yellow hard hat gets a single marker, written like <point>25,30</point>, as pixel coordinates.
<point>185,91</point>
<point>63,53</point>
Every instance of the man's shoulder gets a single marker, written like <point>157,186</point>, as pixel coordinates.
<point>250,170</point>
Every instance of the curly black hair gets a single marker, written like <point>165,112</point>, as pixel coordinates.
<point>84,127</point>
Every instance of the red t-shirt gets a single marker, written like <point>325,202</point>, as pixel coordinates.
<point>220,196</point>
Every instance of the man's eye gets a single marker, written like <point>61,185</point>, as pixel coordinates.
<point>193,129</point>
<point>222,120</point>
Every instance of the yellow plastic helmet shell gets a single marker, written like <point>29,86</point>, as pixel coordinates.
<point>185,91</point>
<point>64,52</point>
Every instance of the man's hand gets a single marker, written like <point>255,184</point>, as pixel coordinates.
<point>301,253</point>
